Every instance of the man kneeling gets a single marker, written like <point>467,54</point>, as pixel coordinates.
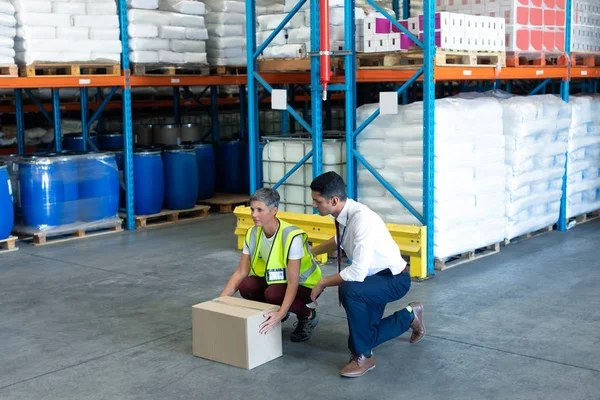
<point>276,267</point>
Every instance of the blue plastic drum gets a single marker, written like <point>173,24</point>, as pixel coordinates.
<point>98,186</point>
<point>181,177</point>
<point>148,181</point>
<point>110,141</point>
<point>74,141</point>
<point>205,159</point>
<point>7,217</point>
<point>231,167</point>
<point>48,190</point>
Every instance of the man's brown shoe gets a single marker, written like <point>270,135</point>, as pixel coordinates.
<point>418,329</point>
<point>358,366</point>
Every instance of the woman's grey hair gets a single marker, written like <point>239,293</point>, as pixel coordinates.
<point>268,196</point>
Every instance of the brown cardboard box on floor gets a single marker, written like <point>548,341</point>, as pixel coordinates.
<point>226,330</point>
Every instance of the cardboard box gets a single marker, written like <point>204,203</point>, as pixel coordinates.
<point>227,330</point>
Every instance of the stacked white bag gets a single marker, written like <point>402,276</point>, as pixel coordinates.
<point>226,24</point>
<point>536,129</point>
<point>7,32</point>
<point>469,170</point>
<point>59,31</point>
<point>167,31</point>
<point>583,166</point>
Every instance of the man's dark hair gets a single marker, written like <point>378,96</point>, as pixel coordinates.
<point>329,185</point>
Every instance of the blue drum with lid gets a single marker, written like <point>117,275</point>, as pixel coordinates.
<point>74,141</point>
<point>7,217</point>
<point>111,141</point>
<point>148,181</point>
<point>181,177</point>
<point>231,167</point>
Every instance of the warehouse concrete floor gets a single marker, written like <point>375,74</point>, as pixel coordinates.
<point>109,318</point>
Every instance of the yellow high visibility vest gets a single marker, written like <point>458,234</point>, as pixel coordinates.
<point>274,269</point>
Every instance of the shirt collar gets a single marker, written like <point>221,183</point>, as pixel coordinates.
<point>345,214</point>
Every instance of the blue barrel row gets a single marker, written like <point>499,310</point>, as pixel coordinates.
<point>55,189</point>
<point>171,177</point>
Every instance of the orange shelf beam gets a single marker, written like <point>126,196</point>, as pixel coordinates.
<point>585,72</point>
<point>42,82</point>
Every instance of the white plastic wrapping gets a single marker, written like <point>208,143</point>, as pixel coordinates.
<point>196,34</point>
<point>235,52</point>
<point>143,44</point>
<point>31,57</point>
<point>68,8</point>
<point>40,19</point>
<point>8,31</point>
<point>227,61</point>
<point>104,34</point>
<point>7,42</point>
<point>583,167</point>
<point>32,6</point>
<point>143,57</point>
<point>183,6</point>
<point>164,18</point>
<point>171,32</point>
<point>66,45</point>
<point>6,60</point>
<point>271,22</point>
<point>225,6</point>
<point>225,18</point>
<point>285,51</point>
<point>226,30</point>
<point>195,58</point>
<point>101,8</point>
<point>469,170</point>
<point>170,57</point>
<point>226,43</point>
<point>187,46</point>
<point>72,33</point>
<point>278,40</point>
<point>7,52</point>
<point>96,21</point>
<point>143,4</point>
<point>106,57</point>
<point>140,30</point>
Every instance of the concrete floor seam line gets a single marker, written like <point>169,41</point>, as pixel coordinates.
<point>87,266</point>
<point>514,354</point>
<point>93,359</point>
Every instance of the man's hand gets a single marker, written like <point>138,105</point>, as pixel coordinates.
<point>316,292</point>
<point>272,319</point>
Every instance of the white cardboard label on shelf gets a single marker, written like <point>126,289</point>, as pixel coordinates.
<point>467,72</point>
<point>279,99</point>
<point>85,81</point>
<point>174,80</point>
<point>583,73</point>
<point>388,103</point>
<point>539,72</point>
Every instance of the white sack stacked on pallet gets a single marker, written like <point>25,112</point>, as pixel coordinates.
<point>583,166</point>
<point>63,32</point>
<point>536,130</point>
<point>8,32</point>
<point>469,180</point>
<point>167,37</point>
<point>226,24</point>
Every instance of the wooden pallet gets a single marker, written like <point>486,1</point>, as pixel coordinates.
<point>414,58</point>
<point>228,70</point>
<point>469,256</point>
<point>585,60</point>
<point>226,202</point>
<point>524,59</point>
<point>583,218</point>
<point>9,71</point>
<point>292,64</point>
<point>170,70</point>
<point>62,69</point>
<point>43,238</point>
<point>170,216</point>
<point>9,244</point>
<point>539,232</point>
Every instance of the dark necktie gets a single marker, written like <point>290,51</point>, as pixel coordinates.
<point>339,256</point>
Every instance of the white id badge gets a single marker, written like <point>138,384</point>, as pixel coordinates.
<point>276,275</point>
